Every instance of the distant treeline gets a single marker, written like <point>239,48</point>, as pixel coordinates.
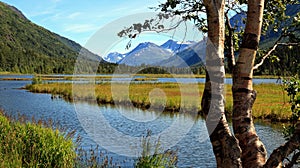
<point>286,63</point>
<point>28,62</point>
<point>148,69</point>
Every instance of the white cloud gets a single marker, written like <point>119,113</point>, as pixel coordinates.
<point>52,17</point>
<point>41,13</point>
<point>80,28</point>
<point>121,9</point>
<point>74,15</point>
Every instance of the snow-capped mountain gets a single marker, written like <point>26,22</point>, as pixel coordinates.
<point>175,46</point>
<point>145,53</point>
<point>192,55</point>
<point>114,57</point>
<point>171,53</point>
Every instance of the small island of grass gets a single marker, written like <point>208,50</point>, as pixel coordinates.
<point>271,102</point>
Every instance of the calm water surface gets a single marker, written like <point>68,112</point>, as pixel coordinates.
<point>126,78</point>
<point>102,125</point>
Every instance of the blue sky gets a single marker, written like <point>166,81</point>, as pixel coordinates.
<point>80,20</point>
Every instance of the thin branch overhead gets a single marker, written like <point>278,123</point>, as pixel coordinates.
<point>270,52</point>
<point>276,44</point>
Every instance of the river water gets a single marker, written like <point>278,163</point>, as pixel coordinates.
<point>119,130</point>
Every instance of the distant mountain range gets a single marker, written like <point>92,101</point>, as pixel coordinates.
<point>114,57</point>
<point>171,53</point>
<point>176,46</point>
<point>191,55</point>
<point>145,53</point>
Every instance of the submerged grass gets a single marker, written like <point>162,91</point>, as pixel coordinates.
<point>271,102</point>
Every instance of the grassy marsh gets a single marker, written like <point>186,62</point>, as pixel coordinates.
<point>271,103</point>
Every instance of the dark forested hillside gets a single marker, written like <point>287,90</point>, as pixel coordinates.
<point>28,48</point>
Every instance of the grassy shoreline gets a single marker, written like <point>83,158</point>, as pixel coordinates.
<point>36,144</point>
<point>271,103</point>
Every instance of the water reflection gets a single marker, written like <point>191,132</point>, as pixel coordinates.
<point>117,133</point>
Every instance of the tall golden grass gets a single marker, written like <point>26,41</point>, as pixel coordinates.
<point>271,102</point>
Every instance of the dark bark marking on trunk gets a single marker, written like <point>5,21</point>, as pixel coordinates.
<point>239,63</point>
<point>243,90</point>
<point>250,41</point>
<point>246,78</point>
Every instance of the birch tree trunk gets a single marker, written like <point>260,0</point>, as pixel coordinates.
<point>225,145</point>
<point>253,151</point>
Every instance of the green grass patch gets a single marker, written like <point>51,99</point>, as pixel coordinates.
<point>154,156</point>
<point>33,145</point>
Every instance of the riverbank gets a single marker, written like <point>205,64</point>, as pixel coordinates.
<point>271,103</point>
<point>39,144</point>
<point>35,144</point>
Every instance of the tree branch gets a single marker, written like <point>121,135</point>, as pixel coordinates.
<point>293,161</point>
<point>277,43</point>
<point>151,25</point>
<point>270,52</point>
<point>285,150</point>
<point>229,41</point>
